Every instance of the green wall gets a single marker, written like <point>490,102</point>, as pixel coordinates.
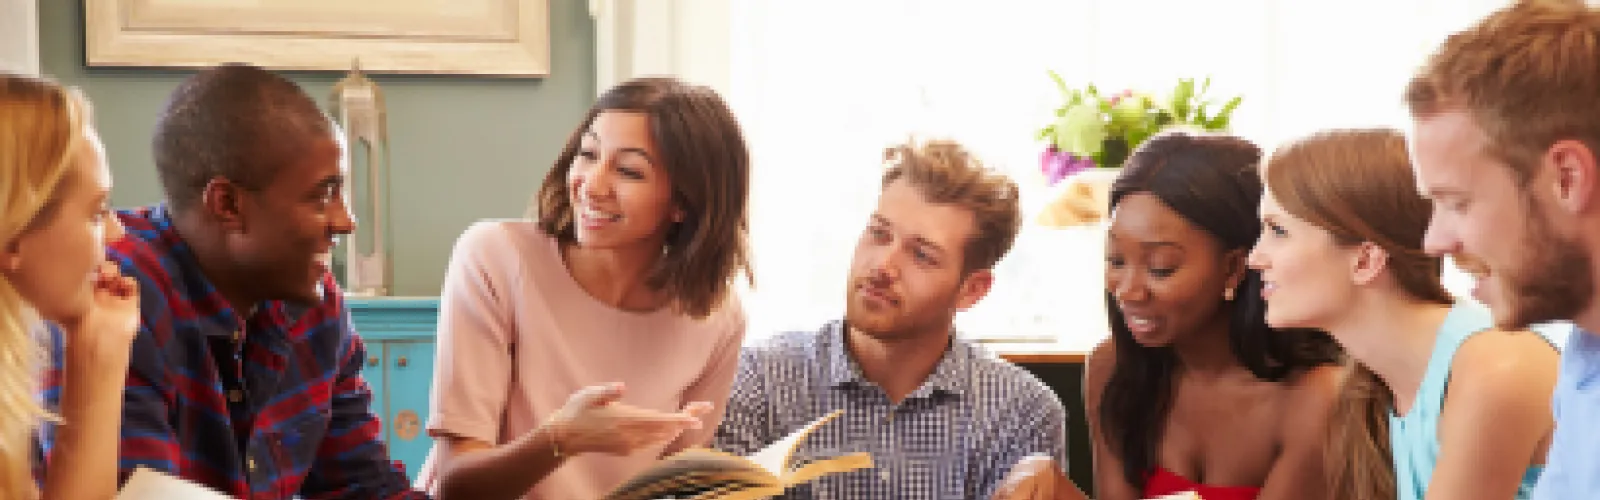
<point>461,148</point>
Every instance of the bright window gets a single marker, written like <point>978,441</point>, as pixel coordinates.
<point>823,86</point>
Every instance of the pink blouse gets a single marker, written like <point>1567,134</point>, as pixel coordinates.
<point>518,335</point>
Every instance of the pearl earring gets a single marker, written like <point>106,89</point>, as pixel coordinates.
<point>1227,294</point>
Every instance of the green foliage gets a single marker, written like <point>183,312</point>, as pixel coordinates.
<point>1107,128</point>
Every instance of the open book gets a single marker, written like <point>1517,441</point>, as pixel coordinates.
<point>150,484</point>
<point>707,474</point>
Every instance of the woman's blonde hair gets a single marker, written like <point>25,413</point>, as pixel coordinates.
<point>41,124</point>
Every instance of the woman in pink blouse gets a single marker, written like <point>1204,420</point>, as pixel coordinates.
<point>580,346</point>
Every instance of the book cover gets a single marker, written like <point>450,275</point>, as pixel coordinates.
<point>151,484</point>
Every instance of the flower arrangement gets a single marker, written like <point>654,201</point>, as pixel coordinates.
<point>1091,130</point>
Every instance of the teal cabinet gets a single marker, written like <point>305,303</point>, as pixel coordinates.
<point>408,379</point>
<point>399,335</point>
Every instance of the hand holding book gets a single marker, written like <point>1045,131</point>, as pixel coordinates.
<point>1039,477</point>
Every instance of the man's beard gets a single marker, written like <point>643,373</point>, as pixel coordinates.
<point>901,322</point>
<point>1554,279</point>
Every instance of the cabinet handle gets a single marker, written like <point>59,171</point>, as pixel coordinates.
<point>400,362</point>
<point>372,361</point>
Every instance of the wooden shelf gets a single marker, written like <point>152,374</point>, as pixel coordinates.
<point>1040,353</point>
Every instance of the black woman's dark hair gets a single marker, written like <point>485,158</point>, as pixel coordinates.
<point>1211,181</point>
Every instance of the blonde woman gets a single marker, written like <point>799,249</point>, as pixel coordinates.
<point>53,228</point>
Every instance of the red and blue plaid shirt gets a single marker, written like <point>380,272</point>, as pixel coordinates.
<point>271,406</point>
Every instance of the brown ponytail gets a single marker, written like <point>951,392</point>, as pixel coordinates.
<point>1359,461</point>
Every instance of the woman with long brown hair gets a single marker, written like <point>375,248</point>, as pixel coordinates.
<point>1341,251</point>
<point>623,274</point>
<point>54,277</point>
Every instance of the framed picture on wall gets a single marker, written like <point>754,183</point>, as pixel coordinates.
<point>19,36</point>
<point>507,38</point>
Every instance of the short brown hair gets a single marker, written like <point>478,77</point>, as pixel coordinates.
<point>1529,74</point>
<point>702,149</point>
<point>231,121</point>
<point>946,173</point>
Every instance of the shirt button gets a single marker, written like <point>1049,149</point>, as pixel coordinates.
<point>235,396</point>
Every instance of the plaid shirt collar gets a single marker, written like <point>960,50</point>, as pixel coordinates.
<point>949,377</point>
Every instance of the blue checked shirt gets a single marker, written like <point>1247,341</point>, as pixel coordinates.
<point>955,437</point>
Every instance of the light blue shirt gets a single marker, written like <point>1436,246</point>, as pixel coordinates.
<point>1414,437</point>
<point>1572,470</point>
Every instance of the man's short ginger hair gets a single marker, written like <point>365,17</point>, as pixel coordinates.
<point>1528,74</point>
<point>945,173</point>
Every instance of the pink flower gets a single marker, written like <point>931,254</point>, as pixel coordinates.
<point>1058,165</point>
<point>1118,97</point>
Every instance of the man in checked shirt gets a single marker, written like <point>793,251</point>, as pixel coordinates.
<point>941,418</point>
<point>246,373</point>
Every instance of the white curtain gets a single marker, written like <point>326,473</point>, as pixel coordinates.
<point>823,86</point>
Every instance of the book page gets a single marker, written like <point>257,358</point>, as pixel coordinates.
<point>708,474</point>
<point>149,484</point>
<point>775,457</point>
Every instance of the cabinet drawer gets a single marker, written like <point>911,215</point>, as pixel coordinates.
<point>408,378</point>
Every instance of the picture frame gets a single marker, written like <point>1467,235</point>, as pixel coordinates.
<point>19,36</point>
<point>497,38</point>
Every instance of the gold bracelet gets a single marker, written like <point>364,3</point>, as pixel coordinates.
<point>555,446</point>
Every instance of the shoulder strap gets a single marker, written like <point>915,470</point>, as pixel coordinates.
<point>1464,321</point>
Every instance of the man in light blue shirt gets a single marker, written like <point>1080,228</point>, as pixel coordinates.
<point>1506,118</point>
<point>940,417</point>
<point>1573,470</point>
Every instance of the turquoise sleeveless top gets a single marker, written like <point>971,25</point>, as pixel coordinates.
<point>1415,436</point>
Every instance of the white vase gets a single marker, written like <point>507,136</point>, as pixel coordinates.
<point>1079,199</point>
